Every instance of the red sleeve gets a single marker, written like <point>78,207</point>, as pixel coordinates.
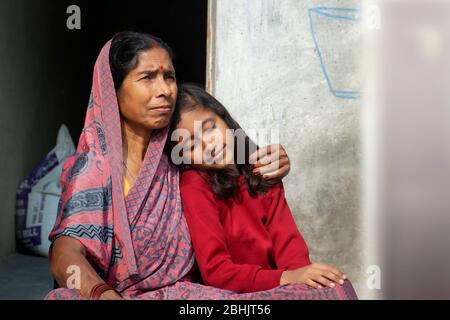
<point>210,247</point>
<point>290,249</point>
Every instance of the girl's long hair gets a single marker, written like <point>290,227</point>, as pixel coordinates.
<point>223,182</point>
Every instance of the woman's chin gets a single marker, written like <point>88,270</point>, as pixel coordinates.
<point>158,123</point>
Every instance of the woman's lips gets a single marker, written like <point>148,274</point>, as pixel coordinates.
<point>162,109</point>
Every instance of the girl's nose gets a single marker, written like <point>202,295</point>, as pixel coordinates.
<point>209,137</point>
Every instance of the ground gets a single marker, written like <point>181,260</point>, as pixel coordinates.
<point>24,277</point>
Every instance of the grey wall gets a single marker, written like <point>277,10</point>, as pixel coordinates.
<point>29,113</point>
<point>264,66</point>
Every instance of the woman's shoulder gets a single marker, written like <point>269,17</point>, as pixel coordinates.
<point>84,163</point>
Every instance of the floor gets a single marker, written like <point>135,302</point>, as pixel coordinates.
<point>24,277</point>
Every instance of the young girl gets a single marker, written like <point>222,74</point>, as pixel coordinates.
<point>243,233</point>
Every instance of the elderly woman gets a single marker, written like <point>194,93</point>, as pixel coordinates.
<point>120,227</point>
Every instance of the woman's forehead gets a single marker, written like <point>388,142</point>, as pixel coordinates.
<point>154,59</point>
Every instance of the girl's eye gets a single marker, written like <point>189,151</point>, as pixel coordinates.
<point>194,144</point>
<point>213,126</point>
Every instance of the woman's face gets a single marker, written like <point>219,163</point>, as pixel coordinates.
<point>205,140</point>
<point>148,93</point>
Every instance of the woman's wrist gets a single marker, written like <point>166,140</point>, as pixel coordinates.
<point>101,290</point>
<point>110,295</point>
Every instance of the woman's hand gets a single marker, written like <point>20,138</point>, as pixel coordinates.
<point>68,252</point>
<point>315,275</point>
<point>271,162</point>
<point>110,295</point>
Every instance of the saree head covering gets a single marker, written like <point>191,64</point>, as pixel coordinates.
<point>140,240</point>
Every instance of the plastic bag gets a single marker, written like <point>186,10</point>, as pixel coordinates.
<point>38,196</point>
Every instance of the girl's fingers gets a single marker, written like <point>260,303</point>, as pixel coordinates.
<point>333,277</point>
<point>327,268</point>
<point>313,284</point>
<point>323,281</point>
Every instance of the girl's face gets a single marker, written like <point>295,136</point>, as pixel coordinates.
<point>148,93</point>
<point>205,141</point>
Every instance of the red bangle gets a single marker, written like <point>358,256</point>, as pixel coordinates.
<point>98,290</point>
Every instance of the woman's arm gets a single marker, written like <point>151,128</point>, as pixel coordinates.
<point>67,252</point>
<point>272,162</point>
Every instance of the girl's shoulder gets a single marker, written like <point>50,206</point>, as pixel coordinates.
<point>275,191</point>
<point>194,178</point>
<point>195,188</point>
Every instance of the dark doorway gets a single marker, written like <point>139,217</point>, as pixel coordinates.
<point>182,24</point>
<point>53,65</point>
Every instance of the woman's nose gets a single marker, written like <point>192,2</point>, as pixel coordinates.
<point>162,88</point>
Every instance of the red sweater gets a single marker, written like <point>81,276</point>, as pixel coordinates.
<point>241,245</point>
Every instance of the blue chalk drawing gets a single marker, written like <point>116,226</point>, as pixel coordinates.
<point>345,14</point>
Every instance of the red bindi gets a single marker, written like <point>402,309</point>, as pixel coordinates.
<point>161,68</point>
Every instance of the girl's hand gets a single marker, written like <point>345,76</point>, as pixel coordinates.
<point>315,275</point>
<point>272,162</point>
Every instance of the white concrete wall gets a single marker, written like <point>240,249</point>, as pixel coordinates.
<point>265,67</point>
